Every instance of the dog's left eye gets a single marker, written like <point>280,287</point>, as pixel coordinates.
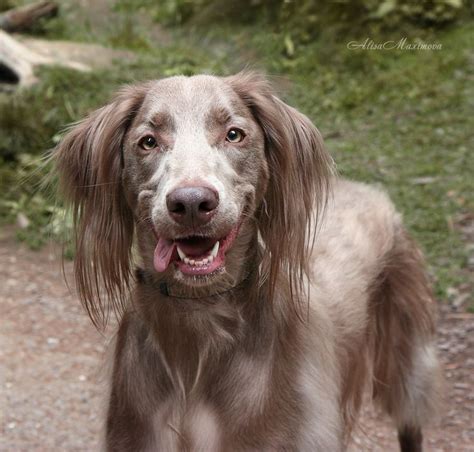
<point>234,136</point>
<point>147,143</point>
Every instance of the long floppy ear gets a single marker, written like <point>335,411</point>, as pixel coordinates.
<point>89,165</point>
<point>300,175</point>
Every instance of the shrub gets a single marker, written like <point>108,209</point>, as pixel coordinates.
<point>306,14</point>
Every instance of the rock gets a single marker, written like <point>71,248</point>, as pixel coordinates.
<point>22,221</point>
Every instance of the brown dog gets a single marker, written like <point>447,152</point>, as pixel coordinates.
<point>254,322</point>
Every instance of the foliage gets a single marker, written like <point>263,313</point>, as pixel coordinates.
<point>309,15</point>
<point>6,4</point>
<point>30,123</point>
<point>401,119</point>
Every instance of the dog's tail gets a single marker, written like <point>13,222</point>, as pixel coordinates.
<point>406,371</point>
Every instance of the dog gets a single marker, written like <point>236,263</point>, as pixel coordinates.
<point>259,295</point>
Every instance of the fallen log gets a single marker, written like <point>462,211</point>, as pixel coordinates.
<point>17,61</point>
<point>24,17</point>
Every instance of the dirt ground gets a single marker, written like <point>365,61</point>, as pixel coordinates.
<point>52,373</point>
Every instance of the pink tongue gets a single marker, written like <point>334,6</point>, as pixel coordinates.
<point>163,253</point>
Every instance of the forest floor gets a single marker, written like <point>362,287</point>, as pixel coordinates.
<point>52,366</point>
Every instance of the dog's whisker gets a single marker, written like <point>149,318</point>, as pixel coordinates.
<point>96,185</point>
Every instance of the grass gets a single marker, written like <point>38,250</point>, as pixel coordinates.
<point>401,119</point>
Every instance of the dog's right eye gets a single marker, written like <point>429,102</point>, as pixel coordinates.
<point>147,143</point>
<point>235,136</point>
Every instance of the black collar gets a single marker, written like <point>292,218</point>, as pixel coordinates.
<point>145,277</point>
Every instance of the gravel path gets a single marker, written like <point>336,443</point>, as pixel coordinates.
<point>52,375</point>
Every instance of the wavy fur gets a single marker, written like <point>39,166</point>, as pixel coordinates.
<point>228,362</point>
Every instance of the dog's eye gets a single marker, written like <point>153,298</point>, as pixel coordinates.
<point>235,136</point>
<point>147,143</point>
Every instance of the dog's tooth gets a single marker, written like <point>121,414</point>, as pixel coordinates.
<point>215,249</point>
<point>210,259</point>
<point>192,262</point>
<point>186,260</point>
<point>205,261</point>
<point>181,255</point>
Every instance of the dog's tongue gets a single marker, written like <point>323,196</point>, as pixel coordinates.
<point>163,253</point>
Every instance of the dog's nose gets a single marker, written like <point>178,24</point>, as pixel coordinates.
<point>192,206</point>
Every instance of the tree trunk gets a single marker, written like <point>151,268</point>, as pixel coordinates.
<point>24,17</point>
<point>17,61</point>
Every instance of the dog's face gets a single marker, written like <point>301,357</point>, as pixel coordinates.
<point>194,172</point>
<point>195,168</point>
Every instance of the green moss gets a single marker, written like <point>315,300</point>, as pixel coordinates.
<point>402,119</point>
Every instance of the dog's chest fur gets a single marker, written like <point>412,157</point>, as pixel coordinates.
<point>205,383</point>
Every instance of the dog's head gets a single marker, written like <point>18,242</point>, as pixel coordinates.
<point>197,166</point>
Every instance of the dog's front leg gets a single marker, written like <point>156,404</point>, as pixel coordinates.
<point>135,392</point>
<point>126,430</point>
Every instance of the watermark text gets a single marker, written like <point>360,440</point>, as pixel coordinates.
<point>401,44</point>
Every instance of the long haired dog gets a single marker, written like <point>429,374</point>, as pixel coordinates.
<point>249,321</point>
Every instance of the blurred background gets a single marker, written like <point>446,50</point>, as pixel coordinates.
<point>389,83</point>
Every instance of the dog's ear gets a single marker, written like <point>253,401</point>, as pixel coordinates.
<point>300,173</point>
<point>89,165</point>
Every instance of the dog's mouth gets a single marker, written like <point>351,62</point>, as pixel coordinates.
<point>194,255</point>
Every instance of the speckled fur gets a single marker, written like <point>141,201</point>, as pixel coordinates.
<point>280,362</point>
